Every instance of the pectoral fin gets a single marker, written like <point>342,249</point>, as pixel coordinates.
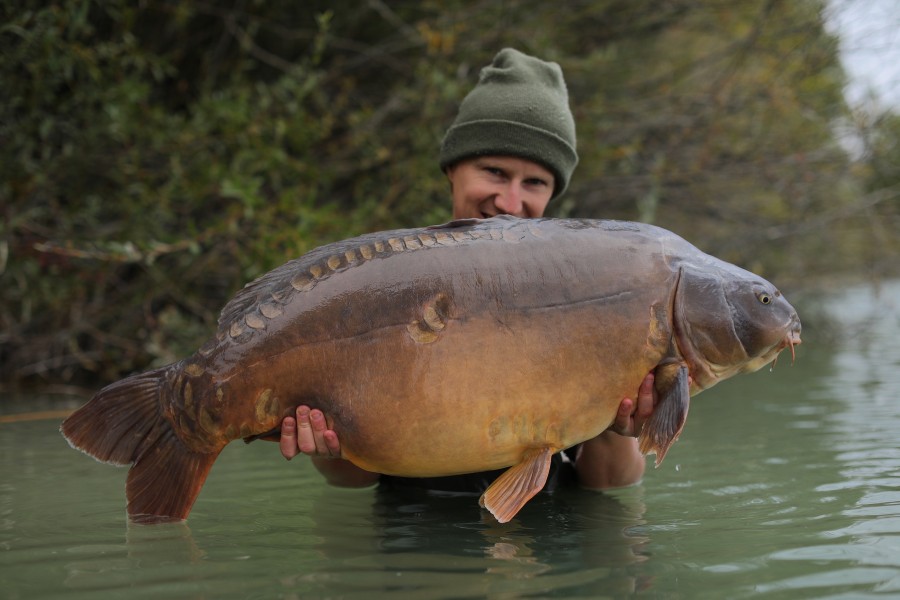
<point>517,485</point>
<point>667,421</point>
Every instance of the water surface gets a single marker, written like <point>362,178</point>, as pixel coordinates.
<point>784,484</point>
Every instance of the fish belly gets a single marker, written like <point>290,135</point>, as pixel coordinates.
<point>482,394</point>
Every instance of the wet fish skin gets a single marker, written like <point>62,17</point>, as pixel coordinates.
<point>459,348</point>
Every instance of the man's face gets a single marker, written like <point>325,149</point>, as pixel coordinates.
<point>487,186</point>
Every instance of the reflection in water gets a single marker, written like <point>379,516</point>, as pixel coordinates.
<point>150,553</point>
<point>168,541</point>
<point>431,543</point>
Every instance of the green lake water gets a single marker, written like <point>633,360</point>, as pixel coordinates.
<point>784,484</point>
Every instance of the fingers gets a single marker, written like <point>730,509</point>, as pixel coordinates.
<point>288,441</point>
<point>317,420</point>
<point>646,402</point>
<point>632,415</point>
<point>306,440</point>
<point>332,444</point>
<point>624,424</point>
<point>313,436</point>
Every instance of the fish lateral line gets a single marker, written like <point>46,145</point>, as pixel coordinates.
<point>603,299</point>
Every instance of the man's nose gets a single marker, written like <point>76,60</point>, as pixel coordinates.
<point>509,201</point>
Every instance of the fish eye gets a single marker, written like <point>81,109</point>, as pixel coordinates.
<point>764,298</point>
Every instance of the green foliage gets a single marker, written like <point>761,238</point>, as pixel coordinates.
<point>872,222</point>
<point>143,191</point>
<point>156,156</point>
<point>724,135</point>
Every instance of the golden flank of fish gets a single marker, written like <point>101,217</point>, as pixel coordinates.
<point>490,344</point>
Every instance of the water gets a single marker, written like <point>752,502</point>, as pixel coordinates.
<point>784,484</point>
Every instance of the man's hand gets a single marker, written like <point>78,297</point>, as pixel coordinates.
<point>632,415</point>
<point>613,459</point>
<point>308,434</point>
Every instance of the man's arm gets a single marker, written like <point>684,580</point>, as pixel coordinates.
<point>612,459</point>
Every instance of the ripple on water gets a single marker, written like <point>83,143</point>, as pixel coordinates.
<point>872,551</point>
<point>882,580</point>
<point>859,483</point>
<point>736,490</point>
<point>866,527</point>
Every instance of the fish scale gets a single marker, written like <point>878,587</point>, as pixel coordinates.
<point>243,313</point>
<point>488,344</point>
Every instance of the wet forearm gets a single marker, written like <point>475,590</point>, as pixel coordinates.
<point>609,461</point>
<point>343,473</point>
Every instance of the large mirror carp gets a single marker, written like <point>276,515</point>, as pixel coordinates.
<point>475,345</point>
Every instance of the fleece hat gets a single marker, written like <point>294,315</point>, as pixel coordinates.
<point>520,107</point>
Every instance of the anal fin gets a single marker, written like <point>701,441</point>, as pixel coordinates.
<point>518,484</point>
<point>668,418</point>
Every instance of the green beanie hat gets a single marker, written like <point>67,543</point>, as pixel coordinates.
<point>520,108</point>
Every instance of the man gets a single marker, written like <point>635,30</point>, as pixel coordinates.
<point>510,151</point>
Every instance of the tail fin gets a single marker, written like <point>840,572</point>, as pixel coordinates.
<point>123,424</point>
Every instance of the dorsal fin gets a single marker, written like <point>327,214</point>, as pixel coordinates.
<point>454,224</point>
<point>470,221</point>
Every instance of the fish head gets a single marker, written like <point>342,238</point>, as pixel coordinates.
<point>729,321</point>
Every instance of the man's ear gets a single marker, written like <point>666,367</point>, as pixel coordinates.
<point>449,174</point>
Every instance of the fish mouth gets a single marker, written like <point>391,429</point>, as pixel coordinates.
<point>791,339</point>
